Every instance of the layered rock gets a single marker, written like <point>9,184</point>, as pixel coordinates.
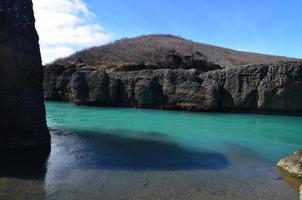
<point>22,113</point>
<point>254,88</point>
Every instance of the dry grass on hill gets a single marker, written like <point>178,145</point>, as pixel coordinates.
<point>166,51</point>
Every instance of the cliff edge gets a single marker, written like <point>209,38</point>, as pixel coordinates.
<point>273,88</point>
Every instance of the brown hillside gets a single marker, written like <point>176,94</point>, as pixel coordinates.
<point>166,51</point>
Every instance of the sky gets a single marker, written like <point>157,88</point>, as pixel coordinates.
<point>263,26</point>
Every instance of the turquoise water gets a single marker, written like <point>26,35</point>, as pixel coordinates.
<point>134,154</point>
<point>269,136</point>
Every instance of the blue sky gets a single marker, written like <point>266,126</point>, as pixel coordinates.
<point>267,26</point>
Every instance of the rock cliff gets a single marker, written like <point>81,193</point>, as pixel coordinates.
<point>22,113</point>
<point>253,88</point>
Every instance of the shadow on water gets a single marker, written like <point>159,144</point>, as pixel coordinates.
<point>122,150</point>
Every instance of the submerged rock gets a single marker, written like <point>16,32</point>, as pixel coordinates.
<point>22,112</point>
<point>254,88</point>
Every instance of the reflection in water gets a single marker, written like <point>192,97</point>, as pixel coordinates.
<point>22,173</point>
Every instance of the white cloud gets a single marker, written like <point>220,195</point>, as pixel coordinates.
<point>65,26</point>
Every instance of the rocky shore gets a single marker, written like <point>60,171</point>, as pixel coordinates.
<point>274,88</point>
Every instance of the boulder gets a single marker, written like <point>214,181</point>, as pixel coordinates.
<point>292,164</point>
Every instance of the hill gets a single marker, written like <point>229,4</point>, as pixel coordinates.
<point>166,51</point>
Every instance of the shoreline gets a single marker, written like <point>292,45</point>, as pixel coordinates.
<point>299,114</point>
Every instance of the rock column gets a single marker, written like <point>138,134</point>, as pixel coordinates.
<point>22,112</point>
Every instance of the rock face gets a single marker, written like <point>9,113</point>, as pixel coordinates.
<point>292,165</point>
<point>22,113</point>
<point>254,88</point>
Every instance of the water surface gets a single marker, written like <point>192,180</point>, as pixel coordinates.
<point>121,153</point>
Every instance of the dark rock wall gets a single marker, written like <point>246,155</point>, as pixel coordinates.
<point>258,88</point>
<point>22,113</point>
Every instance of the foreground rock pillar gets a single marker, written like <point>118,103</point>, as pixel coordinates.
<point>22,112</point>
